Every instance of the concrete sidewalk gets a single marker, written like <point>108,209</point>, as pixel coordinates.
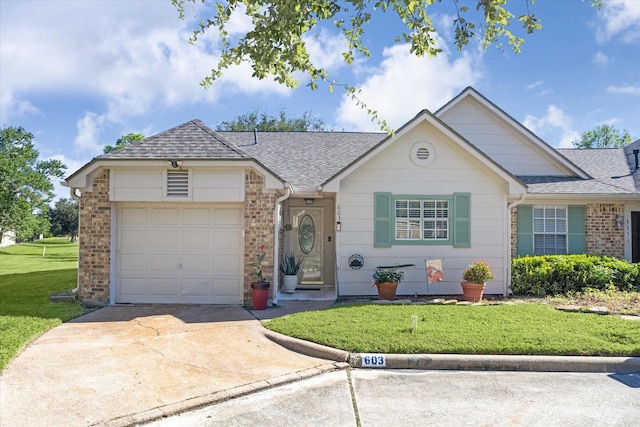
<point>125,365</point>
<point>128,364</point>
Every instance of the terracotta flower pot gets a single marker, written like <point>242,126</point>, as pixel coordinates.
<point>387,290</point>
<point>473,291</point>
<point>260,295</point>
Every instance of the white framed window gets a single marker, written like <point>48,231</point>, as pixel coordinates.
<point>425,220</point>
<point>549,229</point>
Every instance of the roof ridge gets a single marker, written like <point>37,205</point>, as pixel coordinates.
<point>219,138</point>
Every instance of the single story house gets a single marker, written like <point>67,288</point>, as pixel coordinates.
<point>176,218</point>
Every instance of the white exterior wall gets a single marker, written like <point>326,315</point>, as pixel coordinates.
<point>149,185</point>
<point>393,171</point>
<point>496,139</point>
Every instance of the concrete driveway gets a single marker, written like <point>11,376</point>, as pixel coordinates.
<point>125,364</point>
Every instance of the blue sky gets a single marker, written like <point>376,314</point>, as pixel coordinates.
<point>79,74</point>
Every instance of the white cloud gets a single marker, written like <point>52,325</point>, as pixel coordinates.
<point>624,90</point>
<point>620,19</point>
<point>555,120</point>
<point>403,85</point>
<point>133,59</point>
<point>534,85</point>
<point>88,130</point>
<point>601,59</point>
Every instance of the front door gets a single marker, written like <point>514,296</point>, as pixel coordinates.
<point>635,236</point>
<point>307,241</point>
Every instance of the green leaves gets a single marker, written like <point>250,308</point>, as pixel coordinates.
<point>275,45</point>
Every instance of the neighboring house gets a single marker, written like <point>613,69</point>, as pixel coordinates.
<point>176,218</point>
<point>8,238</point>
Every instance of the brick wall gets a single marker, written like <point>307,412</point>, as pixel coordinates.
<point>94,235</point>
<point>258,226</point>
<point>602,235</point>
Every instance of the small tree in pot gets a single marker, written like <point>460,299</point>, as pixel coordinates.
<point>259,287</point>
<point>474,280</point>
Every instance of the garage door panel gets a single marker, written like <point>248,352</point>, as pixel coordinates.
<point>196,240</point>
<point>133,240</point>
<point>197,216</point>
<point>164,262</point>
<point>134,216</point>
<point>230,216</point>
<point>133,263</point>
<point>196,264</point>
<point>132,286</point>
<point>165,216</point>
<point>179,253</point>
<point>228,240</point>
<point>196,288</point>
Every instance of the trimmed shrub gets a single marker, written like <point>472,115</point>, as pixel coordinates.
<point>560,274</point>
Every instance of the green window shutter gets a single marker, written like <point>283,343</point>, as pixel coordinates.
<point>461,220</point>
<point>525,230</point>
<point>576,230</point>
<point>383,220</point>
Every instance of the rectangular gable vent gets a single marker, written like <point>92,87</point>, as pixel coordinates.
<point>177,183</point>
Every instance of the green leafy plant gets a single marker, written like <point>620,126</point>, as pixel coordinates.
<point>477,272</point>
<point>257,266</point>
<point>291,265</point>
<point>387,275</point>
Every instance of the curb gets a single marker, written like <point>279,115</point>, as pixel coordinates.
<point>198,402</point>
<point>460,362</point>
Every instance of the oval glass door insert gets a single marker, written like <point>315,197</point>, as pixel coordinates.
<point>307,234</point>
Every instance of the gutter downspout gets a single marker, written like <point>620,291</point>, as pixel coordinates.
<point>509,207</point>
<point>276,240</point>
<point>77,198</point>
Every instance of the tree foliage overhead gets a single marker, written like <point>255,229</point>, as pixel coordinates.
<point>275,45</point>
<point>123,141</point>
<point>263,122</point>
<point>603,136</point>
<point>64,218</point>
<point>25,184</point>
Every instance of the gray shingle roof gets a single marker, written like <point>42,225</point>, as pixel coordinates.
<point>309,159</point>
<point>191,140</point>
<point>305,159</point>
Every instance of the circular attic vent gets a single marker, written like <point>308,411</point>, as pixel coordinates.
<point>423,153</point>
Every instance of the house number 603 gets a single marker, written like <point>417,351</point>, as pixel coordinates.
<point>373,361</point>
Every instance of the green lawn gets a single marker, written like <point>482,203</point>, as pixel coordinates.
<point>27,278</point>
<point>526,328</point>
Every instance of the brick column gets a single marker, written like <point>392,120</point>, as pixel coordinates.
<point>94,236</point>
<point>258,230</point>
<point>602,234</point>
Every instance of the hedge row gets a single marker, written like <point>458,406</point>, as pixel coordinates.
<point>559,274</point>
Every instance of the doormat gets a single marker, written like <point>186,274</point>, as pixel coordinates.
<point>309,288</point>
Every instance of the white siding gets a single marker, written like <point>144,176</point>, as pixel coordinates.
<point>392,171</point>
<point>499,141</point>
<point>205,185</point>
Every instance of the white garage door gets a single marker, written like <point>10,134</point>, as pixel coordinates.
<point>179,254</point>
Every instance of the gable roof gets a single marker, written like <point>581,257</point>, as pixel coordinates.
<point>535,141</point>
<point>191,140</point>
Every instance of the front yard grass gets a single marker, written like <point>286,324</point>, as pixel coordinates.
<point>27,278</point>
<point>520,329</point>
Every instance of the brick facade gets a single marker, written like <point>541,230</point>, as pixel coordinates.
<point>603,237</point>
<point>258,226</point>
<point>94,236</point>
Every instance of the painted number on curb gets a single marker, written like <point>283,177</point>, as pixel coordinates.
<point>373,361</point>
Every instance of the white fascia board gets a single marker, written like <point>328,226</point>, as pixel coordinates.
<point>578,196</point>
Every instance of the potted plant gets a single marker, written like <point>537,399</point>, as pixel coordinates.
<point>386,280</point>
<point>290,268</point>
<point>474,280</point>
<point>259,287</point>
